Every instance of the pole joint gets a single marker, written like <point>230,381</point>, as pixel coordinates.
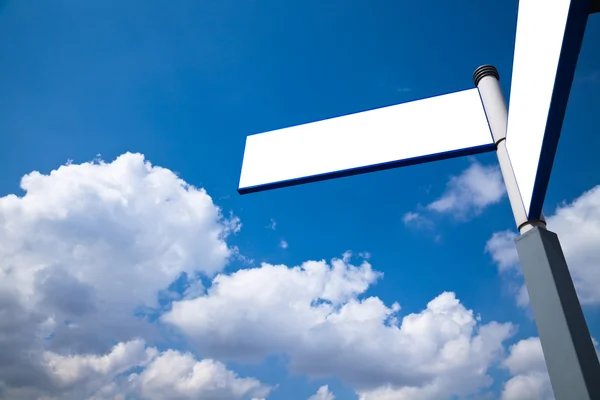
<point>529,225</point>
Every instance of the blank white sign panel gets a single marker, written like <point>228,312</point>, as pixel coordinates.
<point>438,127</point>
<point>546,51</point>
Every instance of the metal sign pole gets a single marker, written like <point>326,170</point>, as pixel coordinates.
<point>566,342</point>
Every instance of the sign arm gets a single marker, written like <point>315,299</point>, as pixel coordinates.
<point>431,129</point>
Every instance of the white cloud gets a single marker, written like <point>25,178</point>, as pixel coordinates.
<point>170,375</point>
<point>68,370</point>
<point>466,195</point>
<point>531,386</point>
<point>283,244</point>
<point>529,375</point>
<point>578,226</point>
<point>525,356</point>
<point>522,297</point>
<point>82,249</point>
<point>241,257</point>
<point>177,376</point>
<point>410,216</point>
<point>529,379</point>
<point>416,219</point>
<point>323,393</point>
<point>313,314</point>
<point>98,226</point>
<point>469,193</point>
<point>272,224</point>
<point>501,247</point>
<point>90,244</point>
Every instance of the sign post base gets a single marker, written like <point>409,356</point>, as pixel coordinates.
<point>568,349</point>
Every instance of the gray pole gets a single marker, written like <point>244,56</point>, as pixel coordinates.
<point>566,342</point>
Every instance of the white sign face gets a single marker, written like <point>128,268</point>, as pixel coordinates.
<point>548,40</point>
<point>424,130</point>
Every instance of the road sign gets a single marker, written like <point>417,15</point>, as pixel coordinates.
<point>435,128</point>
<point>548,40</point>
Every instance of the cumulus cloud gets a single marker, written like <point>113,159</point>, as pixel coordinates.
<point>170,375</point>
<point>68,370</point>
<point>529,375</point>
<point>470,192</point>
<point>313,313</point>
<point>83,249</point>
<point>177,376</point>
<point>323,393</point>
<point>577,225</point>
<point>530,380</point>
<point>283,244</point>
<point>90,247</point>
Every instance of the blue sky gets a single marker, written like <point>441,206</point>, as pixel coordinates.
<point>183,83</point>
